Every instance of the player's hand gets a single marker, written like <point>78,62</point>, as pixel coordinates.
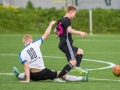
<point>52,22</point>
<point>25,81</point>
<point>83,34</point>
<point>57,36</point>
<point>56,33</point>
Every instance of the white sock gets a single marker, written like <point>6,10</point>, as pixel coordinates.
<point>21,76</point>
<point>73,78</point>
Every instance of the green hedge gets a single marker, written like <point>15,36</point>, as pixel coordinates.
<point>36,20</point>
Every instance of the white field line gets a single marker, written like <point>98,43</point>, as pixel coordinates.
<point>97,79</point>
<point>103,53</point>
<point>96,40</point>
<point>8,54</point>
<point>110,66</point>
<point>109,63</point>
<point>99,61</point>
<point>6,74</point>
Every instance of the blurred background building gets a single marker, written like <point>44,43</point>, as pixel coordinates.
<point>82,4</point>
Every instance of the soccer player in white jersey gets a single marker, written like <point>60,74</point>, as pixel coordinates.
<point>32,60</point>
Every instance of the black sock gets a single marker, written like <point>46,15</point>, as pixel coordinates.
<point>65,70</point>
<point>79,59</point>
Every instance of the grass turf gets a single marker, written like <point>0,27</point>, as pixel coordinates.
<point>105,48</point>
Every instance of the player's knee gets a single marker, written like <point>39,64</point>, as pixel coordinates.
<point>73,62</point>
<point>80,51</point>
<point>63,77</point>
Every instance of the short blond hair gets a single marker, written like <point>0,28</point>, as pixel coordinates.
<point>26,38</point>
<point>71,8</point>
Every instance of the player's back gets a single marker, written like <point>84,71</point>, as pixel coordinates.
<point>32,54</point>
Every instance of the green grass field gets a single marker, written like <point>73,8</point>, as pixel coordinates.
<point>104,48</point>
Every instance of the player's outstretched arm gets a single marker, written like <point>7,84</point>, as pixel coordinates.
<point>48,30</point>
<point>72,31</point>
<point>27,72</point>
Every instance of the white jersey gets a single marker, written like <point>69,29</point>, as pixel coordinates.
<point>32,55</point>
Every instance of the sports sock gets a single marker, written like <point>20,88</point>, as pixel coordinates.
<point>73,78</point>
<point>65,70</point>
<point>79,59</point>
<point>21,76</point>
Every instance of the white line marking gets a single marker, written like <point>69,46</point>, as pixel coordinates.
<point>97,40</point>
<point>103,79</point>
<point>6,74</point>
<point>97,79</point>
<point>109,63</point>
<point>8,55</point>
<point>104,53</point>
<point>110,66</point>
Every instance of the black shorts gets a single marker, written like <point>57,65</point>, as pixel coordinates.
<point>70,52</point>
<point>43,75</point>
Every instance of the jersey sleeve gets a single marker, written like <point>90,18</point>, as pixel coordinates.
<point>66,23</point>
<point>38,42</point>
<point>22,58</point>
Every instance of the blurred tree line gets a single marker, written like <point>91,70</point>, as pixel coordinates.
<point>36,20</point>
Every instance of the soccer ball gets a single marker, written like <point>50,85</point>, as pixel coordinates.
<point>116,70</point>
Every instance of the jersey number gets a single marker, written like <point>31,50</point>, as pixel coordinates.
<point>32,53</point>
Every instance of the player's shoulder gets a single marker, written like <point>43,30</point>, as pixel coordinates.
<point>65,19</point>
<point>38,42</point>
<point>39,39</point>
<point>23,51</point>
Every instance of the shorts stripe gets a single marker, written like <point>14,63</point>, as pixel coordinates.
<point>70,48</point>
